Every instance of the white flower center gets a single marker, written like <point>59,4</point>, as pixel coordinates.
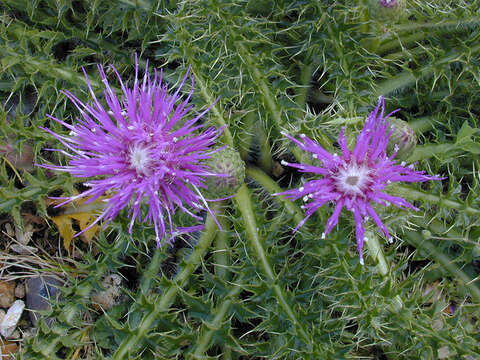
<point>139,159</point>
<point>353,179</point>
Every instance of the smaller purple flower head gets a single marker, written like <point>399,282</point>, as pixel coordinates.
<point>141,148</point>
<point>388,3</point>
<point>356,178</point>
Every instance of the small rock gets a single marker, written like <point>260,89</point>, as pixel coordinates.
<point>437,324</point>
<point>10,320</point>
<point>7,290</point>
<point>23,249</point>
<point>39,291</point>
<point>111,296</point>
<point>24,236</point>
<point>20,291</point>
<point>9,230</point>
<point>443,352</point>
<point>7,348</point>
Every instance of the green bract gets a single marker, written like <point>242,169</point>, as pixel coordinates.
<point>387,11</point>
<point>403,138</point>
<point>228,163</point>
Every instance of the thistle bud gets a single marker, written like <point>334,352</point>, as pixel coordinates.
<point>386,10</point>
<point>402,137</point>
<point>226,162</point>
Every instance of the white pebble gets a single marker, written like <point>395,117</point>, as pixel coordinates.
<point>11,318</point>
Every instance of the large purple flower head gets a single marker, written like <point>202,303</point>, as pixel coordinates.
<point>356,178</point>
<point>140,148</point>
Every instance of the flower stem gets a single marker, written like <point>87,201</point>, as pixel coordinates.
<point>243,200</point>
<point>151,271</point>
<point>475,20</point>
<point>203,342</point>
<point>376,252</point>
<point>412,194</point>
<point>259,80</point>
<point>162,302</point>
<point>306,70</point>
<point>265,149</point>
<point>403,42</point>
<point>221,254</point>
<point>418,34</point>
<point>246,135</point>
<point>427,151</point>
<point>423,124</point>
<point>272,187</point>
<point>407,78</point>
<point>227,136</point>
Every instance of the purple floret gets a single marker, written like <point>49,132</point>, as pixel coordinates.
<point>356,178</point>
<point>388,3</point>
<point>140,149</point>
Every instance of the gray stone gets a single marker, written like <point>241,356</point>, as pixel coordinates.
<point>40,291</point>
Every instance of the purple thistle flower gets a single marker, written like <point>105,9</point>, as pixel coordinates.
<point>388,3</point>
<point>140,148</point>
<point>356,178</point>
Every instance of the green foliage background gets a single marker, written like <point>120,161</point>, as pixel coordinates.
<point>257,291</point>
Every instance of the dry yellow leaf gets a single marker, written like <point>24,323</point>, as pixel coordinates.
<point>65,227</point>
<point>64,222</point>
